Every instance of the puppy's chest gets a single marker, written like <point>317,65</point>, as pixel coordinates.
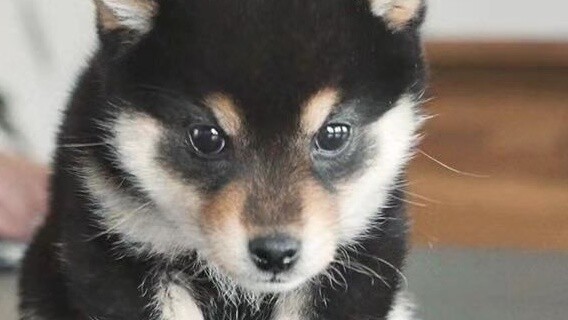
<point>174,302</point>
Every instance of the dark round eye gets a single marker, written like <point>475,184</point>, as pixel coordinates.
<point>207,140</point>
<point>333,137</point>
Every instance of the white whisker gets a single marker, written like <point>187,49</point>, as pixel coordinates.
<point>83,145</point>
<point>414,203</point>
<point>452,169</point>
<point>421,197</point>
<point>397,270</point>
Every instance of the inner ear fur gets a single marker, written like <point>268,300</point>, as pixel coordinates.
<point>397,13</point>
<point>134,15</point>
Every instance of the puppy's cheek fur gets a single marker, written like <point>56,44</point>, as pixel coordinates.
<point>168,223</point>
<point>321,217</point>
<point>362,197</point>
<point>137,140</point>
<point>221,222</point>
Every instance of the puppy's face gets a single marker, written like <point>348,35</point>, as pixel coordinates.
<point>264,135</point>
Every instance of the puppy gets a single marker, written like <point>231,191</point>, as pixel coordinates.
<point>234,159</point>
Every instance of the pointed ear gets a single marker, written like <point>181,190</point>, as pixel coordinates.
<point>397,13</point>
<point>132,15</point>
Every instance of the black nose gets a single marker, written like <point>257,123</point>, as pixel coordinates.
<point>275,254</point>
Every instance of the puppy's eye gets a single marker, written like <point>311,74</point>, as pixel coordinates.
<point>333,137</point>
<point>207,140</point>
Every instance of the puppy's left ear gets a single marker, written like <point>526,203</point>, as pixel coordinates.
<point>126,15</point>
<point>398,14</point>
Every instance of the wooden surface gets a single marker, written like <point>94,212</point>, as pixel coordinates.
<point>510,127</point>
<point>498,54</point>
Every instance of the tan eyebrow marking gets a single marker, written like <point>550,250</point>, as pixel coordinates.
<point>226,112</point>
<point>317,109</point>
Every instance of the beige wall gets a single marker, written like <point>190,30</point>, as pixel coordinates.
<point>37,85</point>
<point>498,19</point>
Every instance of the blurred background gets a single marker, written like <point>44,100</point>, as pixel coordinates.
<point>488,188</point>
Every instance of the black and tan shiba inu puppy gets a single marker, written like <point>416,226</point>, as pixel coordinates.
<point>234,159</point>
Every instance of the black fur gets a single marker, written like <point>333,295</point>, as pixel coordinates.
<point>269,55</point>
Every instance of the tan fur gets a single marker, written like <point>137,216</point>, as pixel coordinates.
<point>317,109</point>
<point>397,13</point>
<point>224,212</point>
<point>273,216</point>
<point>227,204</point>
<point>226,112</point>
<point>109,19</point>
<point>222,225</point>
<point>319,207</point>
<point>321,225</point>
<point>316,200</point>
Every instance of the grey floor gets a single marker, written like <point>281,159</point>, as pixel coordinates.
<point>460,285</point>
<point>497,285</point>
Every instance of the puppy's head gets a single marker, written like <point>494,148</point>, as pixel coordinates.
<point>264,135</point>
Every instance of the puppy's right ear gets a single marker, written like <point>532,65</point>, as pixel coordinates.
<point>126,15</point>
<point>397,13</point>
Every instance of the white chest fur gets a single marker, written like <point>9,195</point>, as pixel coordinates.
<point>291,306</point>
<point>176,303</point>
<point>403,308</point>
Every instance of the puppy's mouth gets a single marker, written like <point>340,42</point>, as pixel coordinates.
<point>274,284</point>
<point>248,277</point>
<point>276,279</point>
